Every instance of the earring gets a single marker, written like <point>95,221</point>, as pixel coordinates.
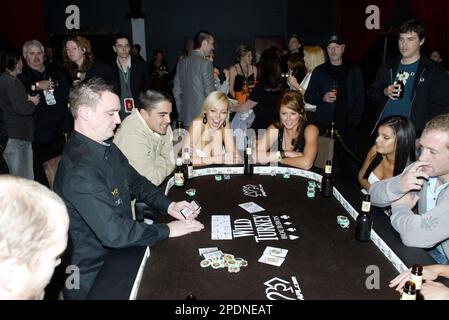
<point>224,124</point>
<point>204,119</point>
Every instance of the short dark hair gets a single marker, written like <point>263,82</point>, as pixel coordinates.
<point>150,98</point>
<point>9,60</point>
<point>199,38</point>
<point>294,35</point>
<point>413,25</point>
<point>121,36</point>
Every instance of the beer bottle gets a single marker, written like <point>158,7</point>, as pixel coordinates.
<point>188,166</point>
<point>364,221</point>
<point>33,91</point>
<point>409,291</point>
<point>401,85</point>
<point>179,173</point>
<point>248,169</point>
<point>327,183</point>
<point>416,277</point>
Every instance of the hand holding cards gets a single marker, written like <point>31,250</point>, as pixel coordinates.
<point>186,212</point>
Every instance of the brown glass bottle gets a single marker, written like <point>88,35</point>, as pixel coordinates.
<point>327,182</point>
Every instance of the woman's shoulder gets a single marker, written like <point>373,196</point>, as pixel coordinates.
<point>311,129</point>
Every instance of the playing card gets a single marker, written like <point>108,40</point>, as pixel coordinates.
<point>251,207</point>
<point>186,212</point>
<point>207,250</point>
<point>212,254</point>
<point>276,252</point>
<point>272,260</point>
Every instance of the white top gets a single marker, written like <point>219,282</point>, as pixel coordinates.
<point>371,179</point>
<point>304,84</point>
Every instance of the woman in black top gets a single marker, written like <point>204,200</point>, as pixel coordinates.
<point>264,98</point>
<point>243,71</point>
<point>290,140</point>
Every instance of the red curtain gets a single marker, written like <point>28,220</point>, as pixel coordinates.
<point>21,20</point>
<point>351,25</point>
<point>435,16</point>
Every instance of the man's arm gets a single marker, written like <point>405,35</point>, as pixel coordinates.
<point>207,76</point>
<point>91,199</point>
<point>375,93</point>
<point>421,231</point>
<point>384,193</point>
<point>177,92</point>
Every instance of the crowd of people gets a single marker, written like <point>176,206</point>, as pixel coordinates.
<point>122,146</point>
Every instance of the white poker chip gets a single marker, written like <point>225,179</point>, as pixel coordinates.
<point>205,263</point>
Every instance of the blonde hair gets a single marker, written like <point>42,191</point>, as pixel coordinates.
<point>212,100</point>
<point>26,226</point>
<point>438,123</point>
<point>317,56</point>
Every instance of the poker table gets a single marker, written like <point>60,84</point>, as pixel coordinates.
<point>324,260</point>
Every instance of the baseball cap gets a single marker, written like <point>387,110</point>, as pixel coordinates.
<point>335,39</point>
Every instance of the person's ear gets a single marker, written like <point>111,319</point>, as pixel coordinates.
<point>84,112</point>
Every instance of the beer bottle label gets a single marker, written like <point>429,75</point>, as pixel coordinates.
<point>406,296</point>
<point>366,206</point>
<point>417,280</point>
<point>179,179</point>
<point>190,171</point>
<point>328,169</point>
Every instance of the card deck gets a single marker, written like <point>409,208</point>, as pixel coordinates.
<point>186,212</point>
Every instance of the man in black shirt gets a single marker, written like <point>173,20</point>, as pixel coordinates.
<point>97,184</point>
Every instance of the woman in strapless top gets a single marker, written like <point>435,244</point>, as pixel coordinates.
<point>393,151</point>
<point>242,71</point>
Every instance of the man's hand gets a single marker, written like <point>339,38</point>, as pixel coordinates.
<point>409,200</point>
<point>414,177</point>
<point>330,97</point>
<point>429,273</point>
<point>392,91</point>
<point>180,228</point>
<point>174,209</point>
<point>434,291</point>
<point>45,85</point>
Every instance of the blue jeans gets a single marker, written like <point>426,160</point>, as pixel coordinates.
<point>18,155</point>
<point>438,255</point>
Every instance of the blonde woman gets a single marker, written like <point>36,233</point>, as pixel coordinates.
<point>210,137</point>
<point>313,57</point>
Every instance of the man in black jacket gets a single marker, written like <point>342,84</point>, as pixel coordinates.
<point>426,84</point>
<point>132,76</point>
<point>97,184</point>
<point>336,88</point>
<point>50,117</point>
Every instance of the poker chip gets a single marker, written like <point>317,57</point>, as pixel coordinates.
<point>205,263</point>
<point>233,269</point>
<point>311,184</point>
<point>343,222</point>
<point>286,175</point>
<point>191,192</point>
<point>218,177</point>
<point>225,260</point>
<point>227,177</point>
<point>273,173</point>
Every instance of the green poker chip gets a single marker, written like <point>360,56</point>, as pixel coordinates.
<point>191,192</point>
<point>286,175</point>
<point>218,177</point>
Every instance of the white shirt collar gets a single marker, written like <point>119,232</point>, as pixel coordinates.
<point>128,63</point>
<point>145,124</point>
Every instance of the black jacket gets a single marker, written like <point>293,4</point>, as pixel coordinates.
<point>347,111</point>
<point>49,121</point>
<point>140,78</point>
<point>97,184</point>
<point>430,91</point>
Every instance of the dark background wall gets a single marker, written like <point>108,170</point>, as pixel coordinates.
<point>170,23</point>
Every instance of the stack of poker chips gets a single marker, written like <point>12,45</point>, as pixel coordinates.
<point>343,222</point>
<point>311,189</point>
<point>225,261</point>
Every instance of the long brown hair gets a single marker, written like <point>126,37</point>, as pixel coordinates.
<point>85,45</point>
<point>294,101</point>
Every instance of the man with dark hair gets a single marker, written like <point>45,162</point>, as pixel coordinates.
<point>146,139</point>
<point>194,79</point>
<point>426,183</point>
<point>97,184</point>
<point>294,46</point>
<point>131,75</point>
<point>426,85</point>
